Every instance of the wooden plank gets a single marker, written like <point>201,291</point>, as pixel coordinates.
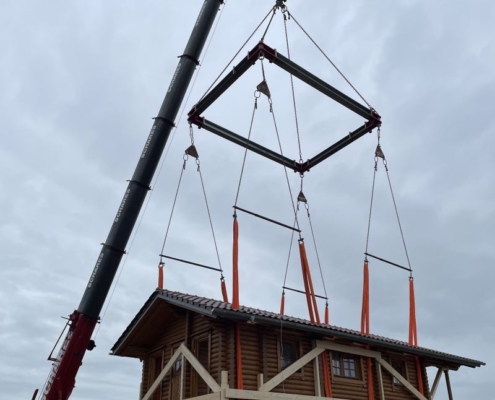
<point>257,395</point>
<point>162,374</point>
<point>434,388</point>
<point>400,378</point>
<point>203,373</point>
<point>447,381</point>
<point>282,376</point>
<point>211,396</point>
<point>260,380</point>
<point>316,368</point>
<point>348,349</point>
<point>183,367</point>
<point>380,381</point>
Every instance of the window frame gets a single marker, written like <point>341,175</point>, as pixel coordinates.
<point>358,362</point>
<point>396,384</point>
<point>298,347</point>
<point>152,372</point>
<point>204,337</point>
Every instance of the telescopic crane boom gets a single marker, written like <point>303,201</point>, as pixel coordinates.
<point>83,320</point>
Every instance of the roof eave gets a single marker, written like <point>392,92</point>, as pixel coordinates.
<point>231,314</point>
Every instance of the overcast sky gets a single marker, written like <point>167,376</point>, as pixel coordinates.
<point>80,82</point>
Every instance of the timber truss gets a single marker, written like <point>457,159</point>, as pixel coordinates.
<point>222,391</point>
<point>262,51</point>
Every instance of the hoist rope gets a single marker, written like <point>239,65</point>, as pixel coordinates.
<point>191,151</point>
<point>293,93</point>
<point>270,102</point>
<point>269,23</point>
<point>183,168</point>
<point>316,250</point>
<point>255,107</point>
<point>397,214</point>
<point>209,217</point>
<point>371,204</point>
<point>329,60</point>
<point>236,54</point>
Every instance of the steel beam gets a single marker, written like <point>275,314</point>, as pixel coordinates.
<point>244,142</point>
<point>345,141</point>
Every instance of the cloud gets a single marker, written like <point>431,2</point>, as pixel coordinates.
<point>80,85</point>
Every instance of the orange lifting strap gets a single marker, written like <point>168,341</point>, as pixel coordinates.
<point>308,286</point>
<point>365,312</point>
<point>235,301</point>
<point>413,332</point>
<point>235,267</point>
<point>282,304</point>
<point>365,324</point>
<point>313,312</point>
<point>224,291</point>
<point>160,276</point>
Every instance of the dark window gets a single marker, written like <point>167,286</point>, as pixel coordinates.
<point>345,365</point>
<point>202,353</point>
<point>178,364</point>
<point>157,368</point>
<point>399,366</point>
<point>288,353</point>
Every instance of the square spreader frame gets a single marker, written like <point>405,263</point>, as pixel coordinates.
<point>261,50</point>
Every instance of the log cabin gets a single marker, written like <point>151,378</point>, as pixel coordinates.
<point>192,347</point>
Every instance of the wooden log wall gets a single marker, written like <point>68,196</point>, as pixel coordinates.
<point>261,354</point>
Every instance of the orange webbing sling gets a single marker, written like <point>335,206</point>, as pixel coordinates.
<point>313,313</point>
<point>365,324</point>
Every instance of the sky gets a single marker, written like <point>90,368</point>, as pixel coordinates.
<point>80,83</point>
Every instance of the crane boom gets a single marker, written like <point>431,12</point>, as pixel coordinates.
<point>62,377</point>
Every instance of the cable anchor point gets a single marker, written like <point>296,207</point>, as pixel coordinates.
<point>192,151</point>
<point>263,88</point>
<point>379,152</point>
<point>302,198</point>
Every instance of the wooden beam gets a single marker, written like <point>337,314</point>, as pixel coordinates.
<point>224,384</point>
<point>380,381</point>
<point>348,349</point>
<point>316,368</point>
<point>162,374</point>
<point>434,388</point>
<point>282,376</point>
<point>183,366</point>
<point>211,396</point>
<point>400,378</point>
<point>260,380</point>
<point>203,373</point>
<point>257,395</point>
<point>447,381</point>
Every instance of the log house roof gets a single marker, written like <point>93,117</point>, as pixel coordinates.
<point>215,308</point>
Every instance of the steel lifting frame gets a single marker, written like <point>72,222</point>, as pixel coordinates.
<point>261,50</point>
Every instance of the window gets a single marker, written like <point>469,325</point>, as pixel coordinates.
<point>288,353</point>
<point>157,365</point>
<point>400,367</point>
<point>178,364</point>
<point>345,366</point>
<point>201,350</point>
